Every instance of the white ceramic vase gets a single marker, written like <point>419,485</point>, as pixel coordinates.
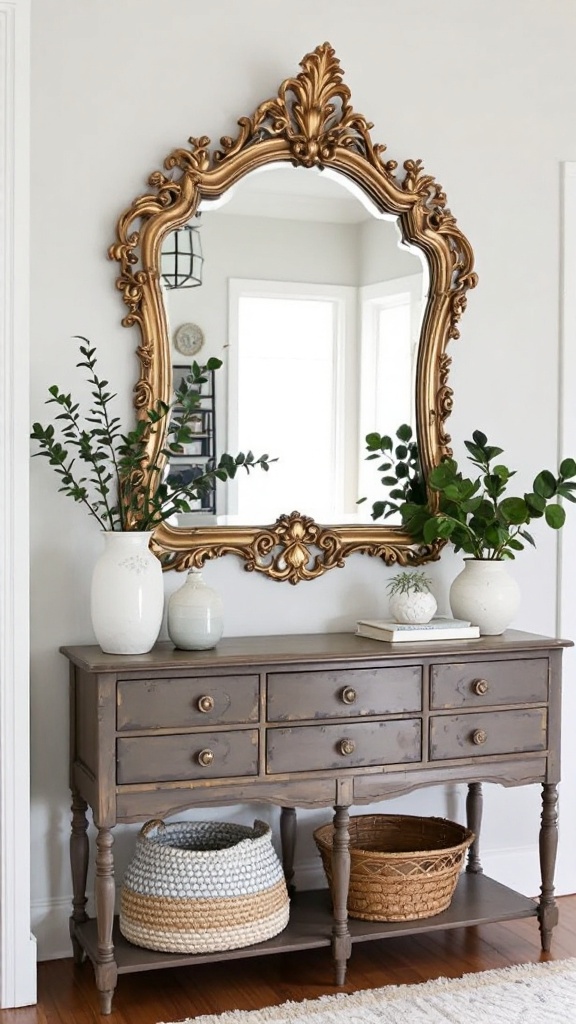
<point>486,594</point>
<point>413,607</point>
<point>127,596</point>
<point>195,615</point>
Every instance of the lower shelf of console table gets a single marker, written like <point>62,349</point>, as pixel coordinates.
<point>477,900</point>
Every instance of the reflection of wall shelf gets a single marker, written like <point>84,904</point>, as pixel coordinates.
<point>200,454</point>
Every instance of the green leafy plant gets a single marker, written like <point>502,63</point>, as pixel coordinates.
<point>408,583</point>
<point>108,471</point>
<point>474,513</point>
<point>401,471</point>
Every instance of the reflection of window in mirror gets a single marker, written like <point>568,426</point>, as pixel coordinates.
<point>292,364</point>
<point>390,317</point>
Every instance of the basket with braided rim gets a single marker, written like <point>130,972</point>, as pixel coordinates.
<point>203,886</point>
<point>402,867</point>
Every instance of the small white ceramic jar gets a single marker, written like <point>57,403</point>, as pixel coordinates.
<point>195,615</point>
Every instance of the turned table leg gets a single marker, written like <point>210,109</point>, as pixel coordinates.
<point>341,941</point>
<point>547,907</point>
<point>288,840</point>
<point>105,968</point>
<point>79,850</point>
<point>474,805</point>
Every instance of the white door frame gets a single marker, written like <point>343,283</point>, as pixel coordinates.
<point>566,624</point>
<point>17,946</point>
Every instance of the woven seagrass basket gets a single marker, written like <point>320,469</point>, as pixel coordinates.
<point>203,886</point>
<point>402,867</point>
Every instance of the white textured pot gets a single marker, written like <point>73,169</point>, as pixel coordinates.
<point>127,597</point>
<point>195,615</point>
<point>413,607</point>
<point>486,594</point>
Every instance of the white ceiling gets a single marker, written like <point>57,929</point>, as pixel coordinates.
<point>296,193</point>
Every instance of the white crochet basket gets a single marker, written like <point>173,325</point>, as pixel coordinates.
<point>203,886</point>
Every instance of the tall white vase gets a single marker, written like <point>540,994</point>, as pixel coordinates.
<point>195,615</point>
<point>486,594</point>
<point>127,596</point>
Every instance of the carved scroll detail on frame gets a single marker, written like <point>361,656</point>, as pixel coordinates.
<point>295,548</point>
<point>309,123</point>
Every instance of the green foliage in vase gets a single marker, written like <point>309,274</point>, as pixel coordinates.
<point>108,471</point>
<point>477,515</point>
<point>401,471</point>
<point>409,583</point>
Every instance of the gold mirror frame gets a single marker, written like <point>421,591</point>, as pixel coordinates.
<point>310,123</point>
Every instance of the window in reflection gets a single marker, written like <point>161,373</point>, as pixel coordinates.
<point>288,361</point>
<point>391,313</point>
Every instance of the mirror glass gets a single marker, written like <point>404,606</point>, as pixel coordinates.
<point>315,304</point>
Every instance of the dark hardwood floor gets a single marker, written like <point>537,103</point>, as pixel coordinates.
<point>67,994</point>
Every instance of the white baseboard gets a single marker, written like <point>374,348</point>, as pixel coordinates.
<point>50,926</point>
<point>517,867</point>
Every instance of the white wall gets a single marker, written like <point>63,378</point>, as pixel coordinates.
<point>483,92</point>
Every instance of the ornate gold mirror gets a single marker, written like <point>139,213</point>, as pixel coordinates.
<point>332,283</point>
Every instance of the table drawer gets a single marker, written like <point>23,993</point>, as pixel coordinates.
<point>187,701</point>
<point>354,745</point>
<point>294,696</point>
<point>477,683</point>
<point>206,755</point>
<point>496,732</point>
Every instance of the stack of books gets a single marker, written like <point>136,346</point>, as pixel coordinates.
<point>439,628</point>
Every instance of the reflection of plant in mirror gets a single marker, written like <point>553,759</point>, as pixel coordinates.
<point>122,491</point>
<point>401,471</point>
<point>474,514</point>
<point>409,583</point>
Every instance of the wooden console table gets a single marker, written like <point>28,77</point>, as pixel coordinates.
<point>328,720</point>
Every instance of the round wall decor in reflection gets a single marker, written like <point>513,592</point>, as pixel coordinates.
<point>188,339</point>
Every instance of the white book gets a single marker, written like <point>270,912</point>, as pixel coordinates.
<point>439,628</point>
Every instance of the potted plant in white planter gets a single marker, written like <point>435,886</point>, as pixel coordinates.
<point>489,526</point>
<point>411,599</point>
<point>478,517</point>
<point>107,471</point>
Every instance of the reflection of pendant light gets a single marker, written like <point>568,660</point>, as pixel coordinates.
<point>182,257</point>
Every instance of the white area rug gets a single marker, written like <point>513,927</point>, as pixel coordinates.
<point>529,994</point>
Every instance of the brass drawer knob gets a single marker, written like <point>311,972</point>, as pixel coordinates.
<point>206,704</point>
<point>205,757</point>
<point>479,736</point>
<point>480,687</point>
<point>347,747</point>
<point>349,695</point>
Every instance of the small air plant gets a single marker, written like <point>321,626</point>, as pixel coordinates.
<point>411,599</point>
<point>409,583</point>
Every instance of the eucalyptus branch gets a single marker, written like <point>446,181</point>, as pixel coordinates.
<point>110,432</point>
<point>81,439</point>
<point>57,456</point>
<point>145,496</point>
